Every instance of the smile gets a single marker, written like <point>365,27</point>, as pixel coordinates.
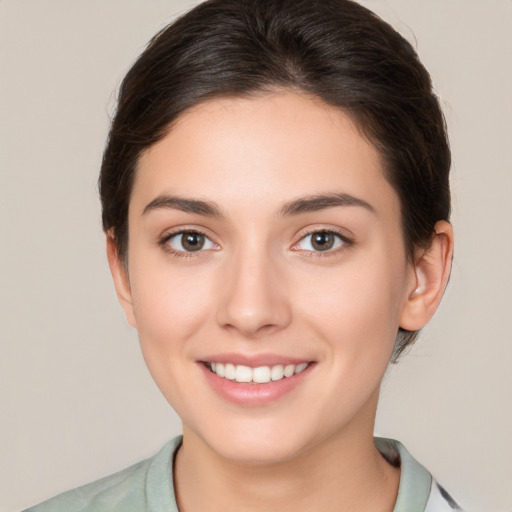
<point>258,375</point>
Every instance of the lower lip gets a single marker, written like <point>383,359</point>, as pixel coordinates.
<point>242,393</point>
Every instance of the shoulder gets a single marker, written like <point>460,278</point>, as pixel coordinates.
<point>418,491</point>
<point>144,486</point>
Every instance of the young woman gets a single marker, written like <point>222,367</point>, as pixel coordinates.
<point>276,202</point>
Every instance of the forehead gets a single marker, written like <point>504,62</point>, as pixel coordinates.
<point>270,146</point>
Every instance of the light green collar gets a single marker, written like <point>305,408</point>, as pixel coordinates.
<point>415,480</point>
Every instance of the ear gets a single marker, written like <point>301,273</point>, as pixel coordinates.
<point>431,274</point>
<point>121,279</point>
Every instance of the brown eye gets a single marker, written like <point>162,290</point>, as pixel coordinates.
<point>321,241</point>
<point>190,241</point>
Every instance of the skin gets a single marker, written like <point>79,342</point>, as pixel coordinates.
<point>260,287</point>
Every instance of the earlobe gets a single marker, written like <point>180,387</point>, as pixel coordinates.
<point>121,279</point>
<point>431,274</point>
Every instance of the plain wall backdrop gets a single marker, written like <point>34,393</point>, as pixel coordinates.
<point>76,401</point>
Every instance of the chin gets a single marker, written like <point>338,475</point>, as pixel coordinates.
<point>257,452</point>
<point>263,443</point>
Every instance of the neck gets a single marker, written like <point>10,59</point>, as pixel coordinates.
<point>343,472</point>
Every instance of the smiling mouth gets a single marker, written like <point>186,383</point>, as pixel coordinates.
<point>258,375</point>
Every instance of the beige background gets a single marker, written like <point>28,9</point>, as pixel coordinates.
<point>76,401</point>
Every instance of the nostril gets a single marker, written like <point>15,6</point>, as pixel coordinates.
<point>253,330</point>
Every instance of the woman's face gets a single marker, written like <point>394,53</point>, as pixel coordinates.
<point>264,240</point>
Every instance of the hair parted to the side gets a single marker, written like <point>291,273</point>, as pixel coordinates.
<point>336,50</point>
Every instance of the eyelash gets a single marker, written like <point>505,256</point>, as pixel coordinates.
<point>164,242</point>
<point>344,240</point>
<point>345,243</point>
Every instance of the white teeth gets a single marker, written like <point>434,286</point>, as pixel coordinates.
<point>277,372</point>
<point>259,375</point>
<point>301,367</point>
<point>219,369</point>
<point>289,370</point>
<point>243,374</point>
<point>230,371</point>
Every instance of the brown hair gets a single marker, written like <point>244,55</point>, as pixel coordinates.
<point>336,50</point>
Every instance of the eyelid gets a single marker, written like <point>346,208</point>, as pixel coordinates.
<point>346,241</point>
<point>163,241</point>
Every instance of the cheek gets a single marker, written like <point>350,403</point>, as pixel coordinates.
<point>170,309</point>
<point>169,306</point>
<point>357,309</point>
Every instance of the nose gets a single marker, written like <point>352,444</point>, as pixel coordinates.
<point>253,299</point>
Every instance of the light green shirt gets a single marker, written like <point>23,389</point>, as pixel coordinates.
<point>148,487</point>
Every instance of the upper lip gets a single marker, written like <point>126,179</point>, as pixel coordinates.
<point>254,360</point>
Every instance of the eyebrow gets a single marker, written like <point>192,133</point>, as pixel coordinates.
<point>295,207</point>
<point>322,202</point>
<point>198,206</point>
